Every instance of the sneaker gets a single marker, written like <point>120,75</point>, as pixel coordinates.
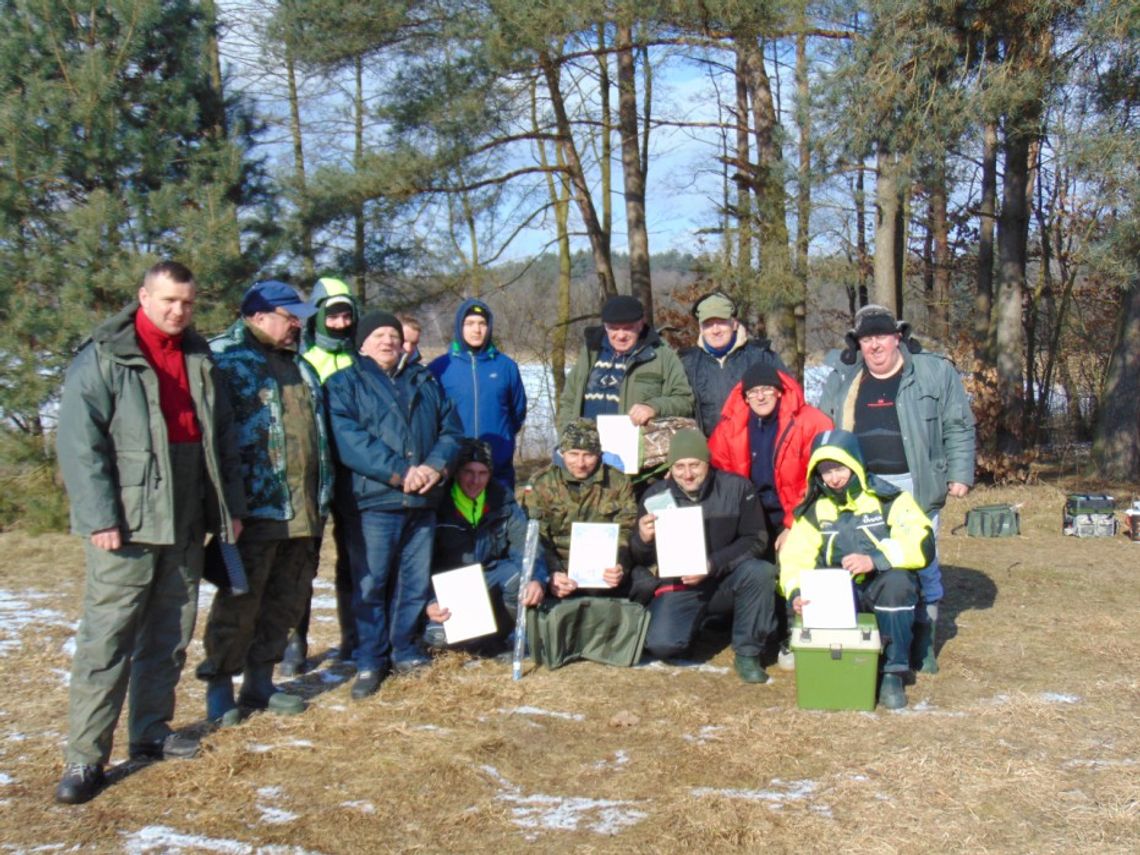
<point>367,683</point>
<point>80,783</point>
<point>174,747</point>
<point>785,659</point>
<point>412,664</point>
<point>749,669</point>
<point>892,695</point>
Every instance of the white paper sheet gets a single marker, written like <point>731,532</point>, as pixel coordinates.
<point>593,549</point>
<point>621,437</point>
<point>662,501</point>
<point>830,601</point>
<point>464,593</point>
<point>680,536</point>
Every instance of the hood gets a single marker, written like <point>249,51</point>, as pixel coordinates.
<point>458,344</point>
<point>843,447</point>
<point>325,289</point>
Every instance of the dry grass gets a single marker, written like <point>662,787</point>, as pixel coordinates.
<point>1026,742</point>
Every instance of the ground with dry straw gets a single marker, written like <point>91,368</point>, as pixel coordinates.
<point>1026,742</point>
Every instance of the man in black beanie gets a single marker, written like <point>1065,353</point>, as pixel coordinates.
<point>625,367</point>
<point>396,438</point>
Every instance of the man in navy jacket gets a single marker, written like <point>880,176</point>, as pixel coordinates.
<point>396,437</point>
<point>484,385</point>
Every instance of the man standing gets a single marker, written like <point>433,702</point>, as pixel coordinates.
<point>397,436</point>
<point>327,345</point>
<point>914,425</point>
<point>148,454</point>
<point>287,470</point>
<point>738,582</point>
<point>485,386</point>
<point>720,357</point>
<point>412,329</point>
<point>625,367</point>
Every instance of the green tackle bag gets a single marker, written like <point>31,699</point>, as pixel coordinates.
<point>602,629</point>
<point>993,521</point>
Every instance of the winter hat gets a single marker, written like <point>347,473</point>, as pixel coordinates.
<point>714,305</point>
<point>373,321</point>
<point>473,451</point>
<point>581,434</point>
<point>874,320</point>
<point>622,309</point>
<point>760,374</point>
<point>688,445</point>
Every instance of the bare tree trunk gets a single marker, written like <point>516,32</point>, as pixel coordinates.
<point>803,198</point>
<point>888,235</point>
<point>299,163</point>
<point>1117,442</point>
<point>605,160</point>
<point>358,262</point>
<point>775,256</point>
<point>938,311</point>
<point>1012,236</point>
<point>866,266</point>
<point>599,240</point>
<point>633,172</point>
<point>744,180</point>
<point>987,218</point>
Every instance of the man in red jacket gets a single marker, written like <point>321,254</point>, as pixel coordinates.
<point>765,434</point>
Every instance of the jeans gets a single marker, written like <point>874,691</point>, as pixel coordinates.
<point>930,576</point>
<point>391,575</point>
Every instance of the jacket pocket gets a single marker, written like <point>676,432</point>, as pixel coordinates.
<point>647,386</point>
<point>134,476</point>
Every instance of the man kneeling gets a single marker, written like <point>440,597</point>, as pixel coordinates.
<point>738,582</point>
<point>874,531</point>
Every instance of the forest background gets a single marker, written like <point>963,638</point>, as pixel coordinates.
<point>972,165</point>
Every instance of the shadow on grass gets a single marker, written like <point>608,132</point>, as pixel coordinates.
<point>966,589</point>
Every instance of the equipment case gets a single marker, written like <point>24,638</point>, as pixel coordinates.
<point>1089,515</point>
<point>837,669</point>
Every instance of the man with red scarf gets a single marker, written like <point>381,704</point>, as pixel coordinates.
<point>150,461</point>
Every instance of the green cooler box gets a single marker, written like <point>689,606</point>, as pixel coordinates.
<point>837,669</point>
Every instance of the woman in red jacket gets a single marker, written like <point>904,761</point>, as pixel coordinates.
<point>765,434</point>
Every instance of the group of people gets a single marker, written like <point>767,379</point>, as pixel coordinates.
<point>303,408</point>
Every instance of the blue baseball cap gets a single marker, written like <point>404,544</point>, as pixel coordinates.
<point>271,295</point>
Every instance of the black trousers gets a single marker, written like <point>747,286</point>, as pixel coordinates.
<point>748,594</point>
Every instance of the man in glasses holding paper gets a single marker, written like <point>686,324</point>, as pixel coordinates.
<point>873,530</point>
<point>697,551</point>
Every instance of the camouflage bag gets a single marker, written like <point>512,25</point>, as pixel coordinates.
<point>657,434</point>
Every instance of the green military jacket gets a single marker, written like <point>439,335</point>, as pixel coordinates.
<point>112,441</point>
<point>558,501</point>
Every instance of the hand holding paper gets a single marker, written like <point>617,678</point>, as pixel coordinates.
<point>463,593</point>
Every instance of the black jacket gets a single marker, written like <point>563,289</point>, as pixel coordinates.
<point>712,379</point>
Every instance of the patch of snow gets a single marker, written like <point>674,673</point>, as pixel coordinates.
<point>782,792</point>
<point>322,584</point>
<point>18,613</point>
<point>271,792</point>
<point>431,728</point>
<point>525,710</point>
<point>5,780</point>
<point>258,748</point>
<point>678,666</point>
<point>155,839</point>
<point>1098,764</point>
<point>1058,698</point>
<point>620,758</point>
<point>706,734</point>
<point>363,807</point>
<point>565,813</point>
<point>324,603</point>
<point>16,737</point>
<point>276,816</point>
<point>68,648</point>
<point>64,675</point>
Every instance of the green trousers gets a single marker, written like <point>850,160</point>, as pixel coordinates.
<point>139,607</point>
<point>253,629</point>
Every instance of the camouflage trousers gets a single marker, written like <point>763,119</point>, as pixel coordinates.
<point>253,628</point>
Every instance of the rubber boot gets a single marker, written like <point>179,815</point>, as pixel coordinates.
<point>259,693</point>
<point>296,656</point>
<point>923,647</point>
<point>892,695</point>
<point>221,709</point>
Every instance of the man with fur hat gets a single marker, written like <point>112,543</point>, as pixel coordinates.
<point>625,367</point>
<point>396,437</point>
<point>909,410</point>
<point>873,530</point>
<point>327,345</point>
<point>485,386</point>
<point>723,352</point>
<point>286,467</point>
<point>479,522</point>
<point>736,582</point>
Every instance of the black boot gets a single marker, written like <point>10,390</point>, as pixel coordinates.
<point>80,783</point>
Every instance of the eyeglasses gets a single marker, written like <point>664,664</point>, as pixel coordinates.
<point>761,392</point>
<point>288,316</point>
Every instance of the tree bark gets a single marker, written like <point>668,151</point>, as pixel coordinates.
<point>358,262</point>
<point>888,232</point>
<point>307,265</point>
<point>1116,446</point>
<point>987,219</point>
<point>633,172</point>
<point>605,161</point>
<point>938,310</point>
<point>803,198</point>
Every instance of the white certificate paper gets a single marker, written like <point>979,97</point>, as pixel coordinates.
<point>680,536</point>
<point>593,549</point>
<point>464,593</point>
<point>831,603</point>
<point>622,438</point>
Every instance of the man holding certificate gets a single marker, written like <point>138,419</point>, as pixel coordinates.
<point>697,551</point>
<point>873,530</point>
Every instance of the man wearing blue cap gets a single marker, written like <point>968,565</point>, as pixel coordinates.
<point>287,471</point>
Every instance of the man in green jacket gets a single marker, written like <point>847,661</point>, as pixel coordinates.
<point>910,412</point>
<point>147,448</point>
<point>625,367</point>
